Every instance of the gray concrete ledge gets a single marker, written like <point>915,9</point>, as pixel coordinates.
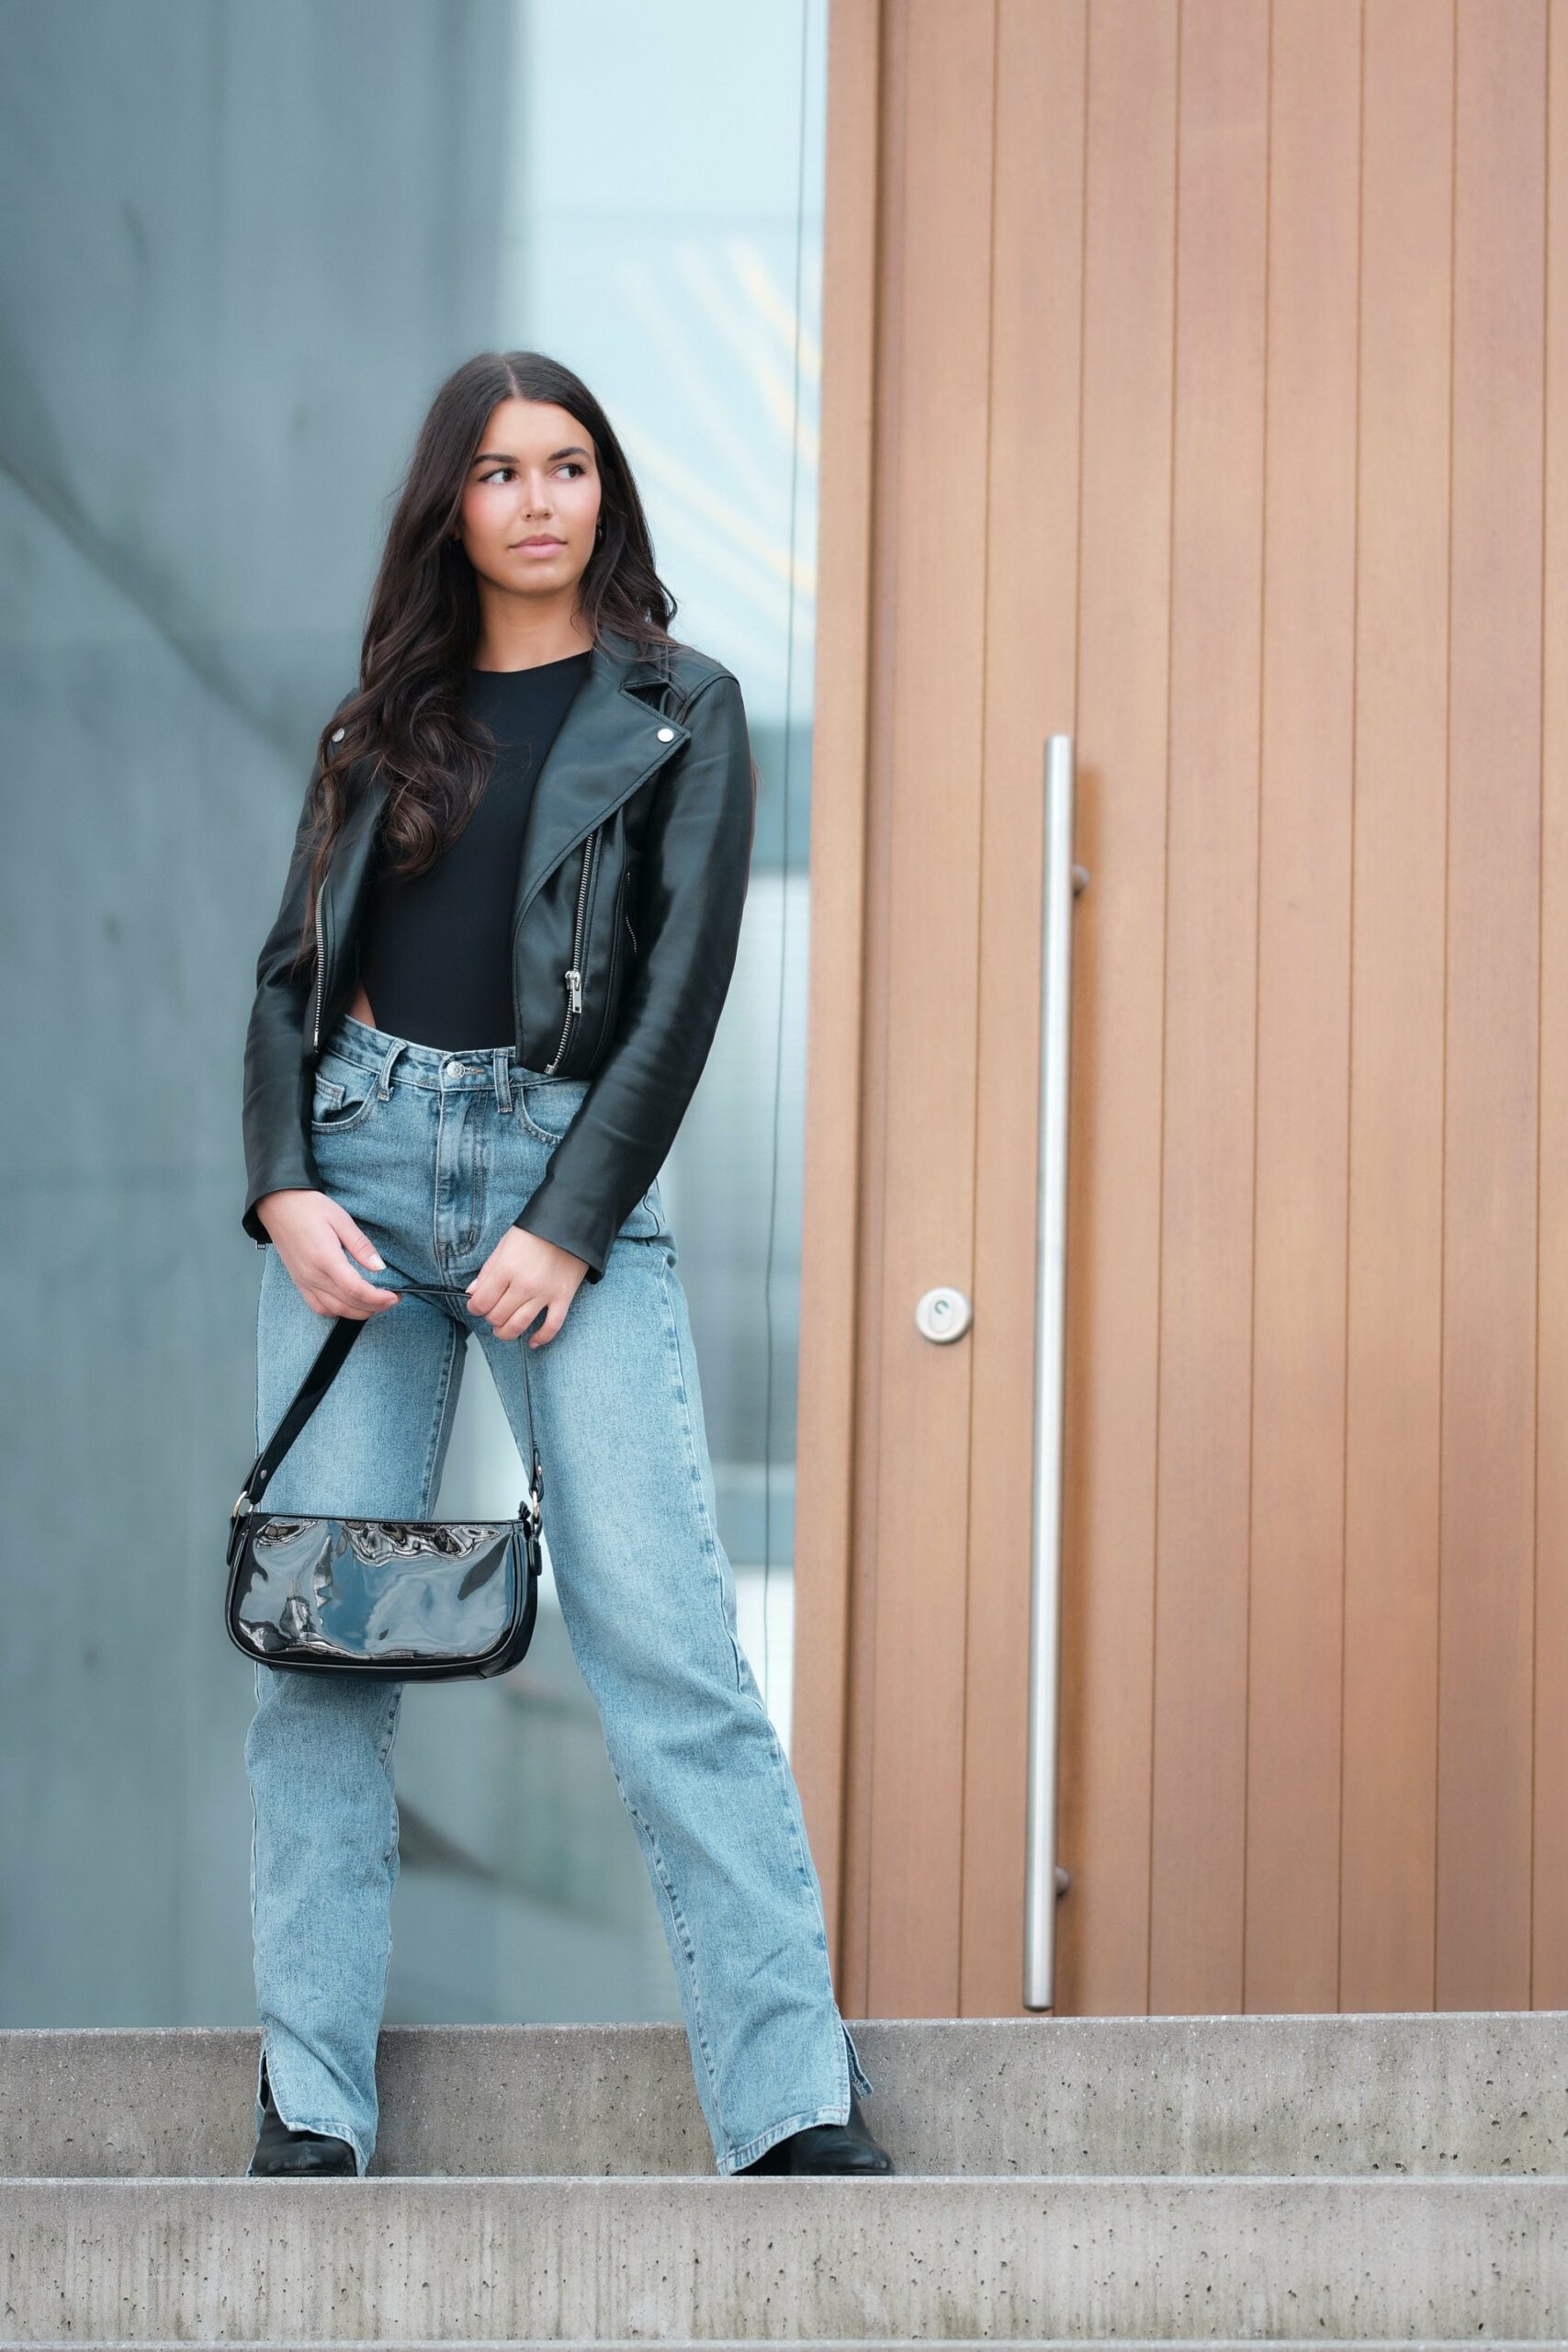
<point>852,2344</point>
<point>429,2261</point>
<point>1419,2096</point>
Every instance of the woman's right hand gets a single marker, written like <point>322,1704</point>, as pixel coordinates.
<point>311,1233</point>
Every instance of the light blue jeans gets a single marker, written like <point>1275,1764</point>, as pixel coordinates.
<point>433,1153</point>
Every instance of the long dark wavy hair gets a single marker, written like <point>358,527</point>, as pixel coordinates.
<point>423,623</point>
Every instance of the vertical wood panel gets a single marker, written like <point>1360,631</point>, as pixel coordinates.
<point>1303,985</point>
<point>1548,1984</point>
<point>871,1200</point>
<point>825,1413</point>
<point>1485,1744</point>
<point>1394,1366</point>
<point>1114,1242</point>
<point>1198,1878</point>
<point>940,92</point>
<point>1029,642</point>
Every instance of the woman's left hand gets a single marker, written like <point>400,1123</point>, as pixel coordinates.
<point>523,1274</point>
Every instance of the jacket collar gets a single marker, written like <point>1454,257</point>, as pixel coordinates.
<point>609,743</point>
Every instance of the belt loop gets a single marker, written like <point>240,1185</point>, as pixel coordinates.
<point>503,1058</point>
<point>384,1083</point>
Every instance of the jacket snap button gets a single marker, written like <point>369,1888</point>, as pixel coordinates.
<point>338,734</point>
<point>667,734</point>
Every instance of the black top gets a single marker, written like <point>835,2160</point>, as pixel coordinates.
<point>436,951</point>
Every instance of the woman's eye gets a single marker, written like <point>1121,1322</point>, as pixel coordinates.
<point>571,466</point>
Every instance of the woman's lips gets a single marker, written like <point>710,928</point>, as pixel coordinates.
<point>536,546</point>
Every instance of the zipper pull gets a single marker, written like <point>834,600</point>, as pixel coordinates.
<point>574,991</point>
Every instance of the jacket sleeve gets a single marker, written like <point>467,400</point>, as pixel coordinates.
<point>277,1104</point>
<point>691,887</point>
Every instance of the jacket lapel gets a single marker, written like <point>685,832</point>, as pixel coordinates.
<point>609,743</point>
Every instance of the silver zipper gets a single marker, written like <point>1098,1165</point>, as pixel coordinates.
<point>321,961</point>
<point>574,975</point>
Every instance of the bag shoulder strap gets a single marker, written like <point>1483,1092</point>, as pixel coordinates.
<point>324,1369</point>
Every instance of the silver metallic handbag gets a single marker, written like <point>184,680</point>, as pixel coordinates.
<point>405,1599</point>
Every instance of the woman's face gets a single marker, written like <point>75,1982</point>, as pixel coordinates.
<point>531,501</point>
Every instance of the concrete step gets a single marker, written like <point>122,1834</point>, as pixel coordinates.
<point>1416,2096</point>
<point>702,2260</point>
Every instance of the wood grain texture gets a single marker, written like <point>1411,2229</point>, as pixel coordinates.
<point>1219,420</point>
<point>1207,1181</point>
<point>1490,1141</point>
<point>1031,637</point>
<point>940,90</point>
<point>1548,1977</point>
<point>826,1368</point>
<point>1128,328</point>
<point>1305,791</point>
<point>1393,1362</point>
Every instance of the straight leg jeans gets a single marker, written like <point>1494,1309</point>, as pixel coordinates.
<point>433,1153</point>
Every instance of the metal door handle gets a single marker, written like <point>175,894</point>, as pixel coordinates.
<point>1043,1879</point>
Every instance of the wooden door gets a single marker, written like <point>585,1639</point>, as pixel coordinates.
<point>1195,385</point>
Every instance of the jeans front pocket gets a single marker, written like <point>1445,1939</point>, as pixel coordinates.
<point>549,1104</point>
<point>338,1102</point>
<point>646,1221</point>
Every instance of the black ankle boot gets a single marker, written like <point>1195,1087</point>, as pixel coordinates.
<point>826,2147</point>
<point>281,2149</point>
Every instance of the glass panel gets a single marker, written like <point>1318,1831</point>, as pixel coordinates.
<point>221,340</point>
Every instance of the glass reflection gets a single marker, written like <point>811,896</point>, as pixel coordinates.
<point>297,219</point>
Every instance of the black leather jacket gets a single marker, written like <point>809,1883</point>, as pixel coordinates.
<point>632,876</point>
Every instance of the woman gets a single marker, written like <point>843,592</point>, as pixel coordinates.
<point>508,929</point>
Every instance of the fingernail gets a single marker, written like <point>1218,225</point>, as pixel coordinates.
<point>378,1262</point>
